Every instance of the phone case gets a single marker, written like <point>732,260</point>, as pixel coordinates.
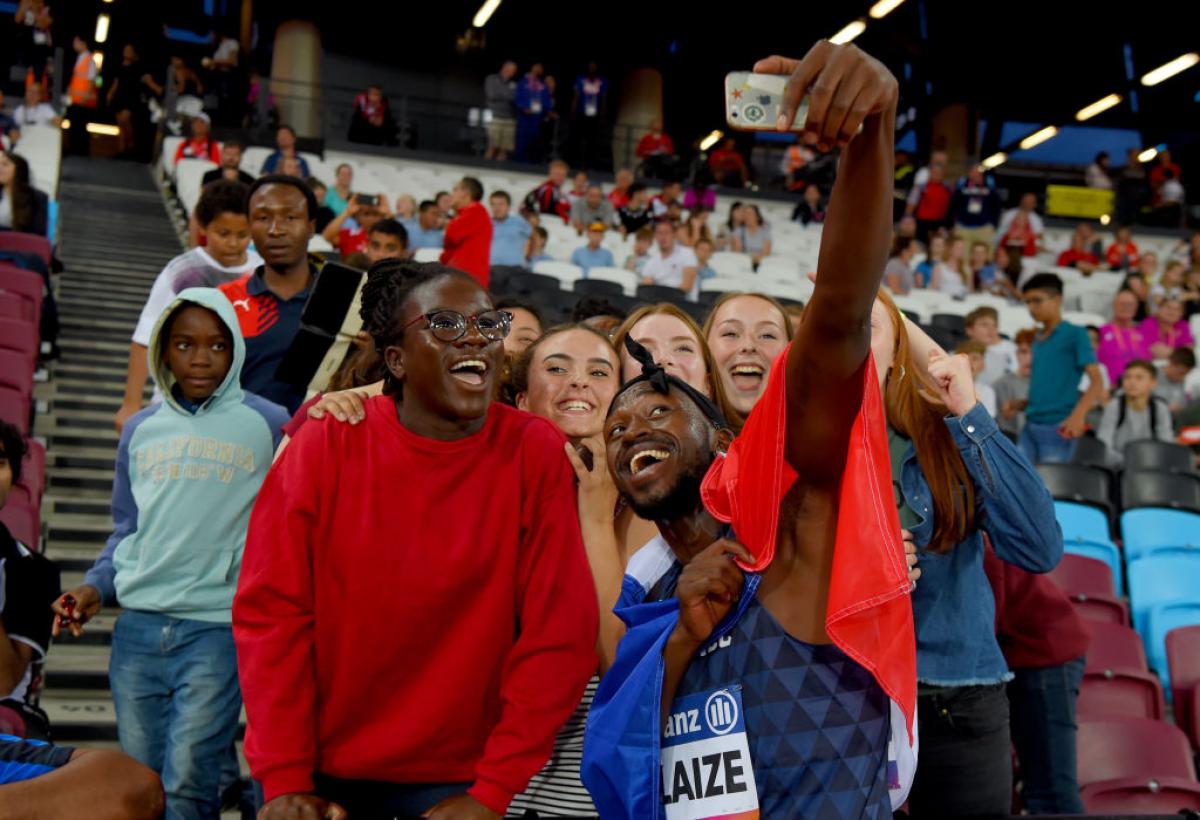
<point>752,101</point>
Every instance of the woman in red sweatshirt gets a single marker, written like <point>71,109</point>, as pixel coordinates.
<point>415,617</point>
<point>467,244</point>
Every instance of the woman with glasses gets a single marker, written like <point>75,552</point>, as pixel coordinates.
<point>415,618</point>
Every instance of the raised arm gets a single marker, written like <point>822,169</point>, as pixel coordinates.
<point>846,89</point>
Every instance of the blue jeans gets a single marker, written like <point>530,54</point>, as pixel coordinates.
<point>175,688</point>
<point>1042,702</point>
<point>1041,443</point>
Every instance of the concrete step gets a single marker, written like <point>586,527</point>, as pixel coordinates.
<point>86,403</point>
<point>79,480</point>
<point>77,666</point>
<point>80,344</point>
<point>80,715</point>
<point>73,556</point>
<point>77,528</point>
<point>96,438</point>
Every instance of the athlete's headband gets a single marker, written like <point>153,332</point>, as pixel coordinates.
<point>662,382</point>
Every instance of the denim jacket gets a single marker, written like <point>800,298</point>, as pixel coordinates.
<point>953,607</point>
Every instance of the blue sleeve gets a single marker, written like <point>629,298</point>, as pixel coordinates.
<point>1017,511</point>
<point>575,257</point>
<point>269,163</point>
<point>1085,354</point>
<point>621,746</point>
<point>610,262</point>
<point>22,759</point>
<point>102,575</point>
<point>274,415</point>
<point>304,167</point>
<point>521,98</point>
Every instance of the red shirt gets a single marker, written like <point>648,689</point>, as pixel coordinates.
<point>198,149</point>
<point>432,621</point>
<point>618,198</point>
<point>1158,174</point>
<point>1036,625</point>
<point>468,242</point>
<point>652,144</point>
<point>726,161</point>
<point>1070,256</point>
<point>1027,240</point>
<point>1122,256</point>
<point>934,203</point>
<point>351,240</point>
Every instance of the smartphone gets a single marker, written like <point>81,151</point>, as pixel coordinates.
<point>368,200</point>
<point>68,604</point>
<point>752,101</point>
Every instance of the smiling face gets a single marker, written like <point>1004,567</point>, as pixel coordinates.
<point>572,380</point>
<point>280,225</point>
<point>446,381</point>
<point>746,335</point>
<point>526,329</point>
<point>674,347</point>
<point>1170,312</point>
<point>199,352</point>
<point>344,176</point>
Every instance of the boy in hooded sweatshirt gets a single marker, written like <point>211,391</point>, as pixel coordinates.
<point>188,471</point>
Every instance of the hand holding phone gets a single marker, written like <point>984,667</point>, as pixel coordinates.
<point>367,200</point>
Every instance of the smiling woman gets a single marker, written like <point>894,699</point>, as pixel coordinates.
<point>569,377</point>
<point>745,332</point>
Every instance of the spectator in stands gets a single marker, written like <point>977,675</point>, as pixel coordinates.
<point>732,223</point>
<point>549,198</point>
<point>674,266</point>
<point>270,301</point>
<point>180,516</point>
<point>467,245</point>
<point>1135,413</point>
<point>514,653</point>
<point>200,145</point>
<point>746,332</point>
<point>592,255</point>
<point>1130,189</point>
<point>82,96</point>
<point>929,202</point>
<point>1020,238</point>
<point>1171,286</point>
<point>983,325</point>
<point>727,165</point>
<point>579,187</point>
<point>643,240</point>
<point>898,275</point>
<point>533,102</point>
<point>704,249</point>
<point>338,197</point>
<point>1062,356</point>
<point>592,208</point>
<point>1012,389</point>
<point>1163,170</point>
<point>427,234</point>
<point>510,234</point>
<point>223,220</point>
<point>1135,283</point>
<point>1122,340</point>
<point>230,165</point>
<point>372,123</point>
<point>753,237</point>
<point>1097,174</point>
<point>660,204</point>
<point>285,146</point>
<point>588,110</point>
<point>1169,201</point>
<point>126,97</point>
<point>976,353</point>
<point>1173,387</point>
<point>324,212</point>
<point>58,781</point>
<point>810,209</point>
<point>1079,256</point>
<point>386,239</point>
<point>29,584</point>
<point>363,210</point>
<point>695,228</point>
<point>1034,225</point>
<point>619,196</point>
<point>700,193</point>
<point>536,250</point>
<point>933,258</point>
<point>35,40</point>
<point>22,207</point>
<point>975,207</point>
<point>635,214</point>
<point>1167,329</point>
<point>951,276</point>
<point>1122,254</point>
<point>795,161</point>
<point>499,91</point>
<point>989,277</point>
<point>1044,640</point>
<point>33,111</point>
<point>526,325</point>
<point>656,150</point>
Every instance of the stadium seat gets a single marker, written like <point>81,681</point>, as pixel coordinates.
<point>1131,747</point>
<point>16,372</point>
<point>1104,551</point>
<point>1090,452</point>
<point>1118,693</point>
<point>33,468</point>
<point>952,322</point>
<point>727,284</point>
<point>709,298</point>
<point>1148,488</point>
<point>24,524</point>
<point>15,306</point>
<point>30,243</point>
<point>1083,485</point>
<point>728,263</point>
<point>1158,455</point>
<point>1141,796</point>
<point>21,337</point>
<point>1081,521</point>
<point>661,293</point>
<point>15,408</point>
<point>1183,664</point>
<point>27,285</point>
<point>1114,648</point>
<point>1160,622</point>
<point>427,255</point>
<point>597,287</point>
<point>1149,528</point>
<point>628,280</point>
<point>1101,609</point>
<point>1163,578</point>
<point>1077,574</point>
<point>564,272</point>
<point>527,284</point>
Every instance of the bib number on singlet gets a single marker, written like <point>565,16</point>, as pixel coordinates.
<point>706,766</point>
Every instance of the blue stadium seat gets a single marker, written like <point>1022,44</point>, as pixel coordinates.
<point>1104,551</point>
<point>1160,620</point>
<point>1148,528</point>
<point>1081,521</point>
<point>1162,578</point>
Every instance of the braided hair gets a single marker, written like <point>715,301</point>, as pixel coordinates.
<point>389,284</point>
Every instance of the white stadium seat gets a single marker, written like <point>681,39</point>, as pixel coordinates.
<point>189,174</point>
<point>564,272</point>
<point>728,263</point>
<point>628,280</point>
<point>727,284</point>
<point>427,254</point>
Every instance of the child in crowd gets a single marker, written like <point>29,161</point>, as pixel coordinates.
<point>1135,413</point>
<point>1173,387</point>
<point>1167,329</point>
<point>704,250</point>
<point>990,275</point>
<point>187,474</point>
<point>1171,286</point>
<point>1062,355</point>
<point>933,257</point>
<point>976,351</point>
<point>592,255</point>
<point>225,256</point>
<point>642,240</point>
<point>1122,254</point>
<point>983,325</point>
<point>28,587</point>
<point>1012,389</point>
<point>535,251</point>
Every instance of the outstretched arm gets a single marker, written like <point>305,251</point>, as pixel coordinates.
<point>846,89</point>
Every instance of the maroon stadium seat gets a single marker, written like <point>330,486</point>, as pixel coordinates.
<point>20,336</point>
<point>1077,574</point>
<point>1141,795</point>
<point>26,284</point>
<point>1183,659</point>
<point>1131,747</point>
<point>30,243</point>
<point>22,496</point>
<point>1120,693</point>
<point>16,371</point>
<point>15,408</point>
<point>33,468</point>
<point>14,306</point>
<point>1101,608</point>
<point>24,524</point>
<point>1116,647</point>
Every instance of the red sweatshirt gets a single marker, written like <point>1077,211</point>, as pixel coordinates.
<point>412,610</point>
<point>467,244</point>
